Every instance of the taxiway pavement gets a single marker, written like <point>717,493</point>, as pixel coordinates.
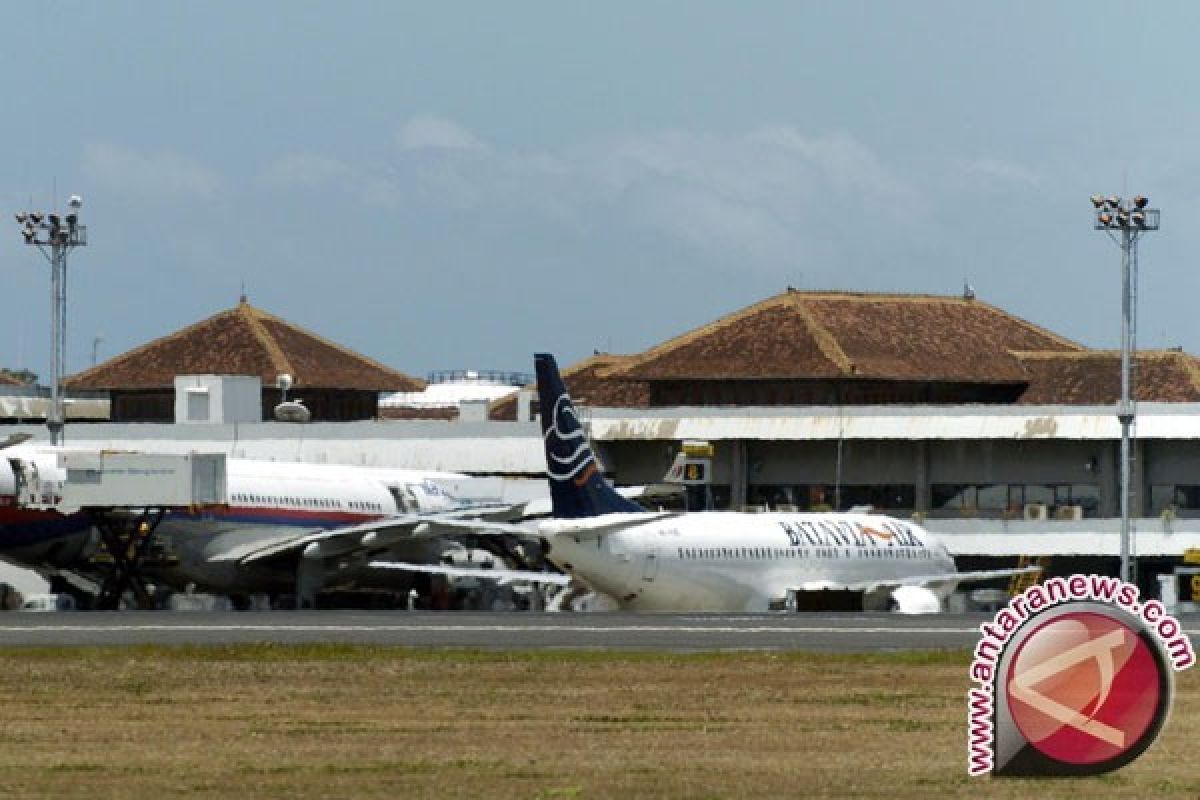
<point>669,632</point>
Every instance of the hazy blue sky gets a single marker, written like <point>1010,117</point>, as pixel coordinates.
<point>453,185</point>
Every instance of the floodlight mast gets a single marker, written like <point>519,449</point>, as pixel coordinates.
<point>56,236</point>
<point>1130,220</point>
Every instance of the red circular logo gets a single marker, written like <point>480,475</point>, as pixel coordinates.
<point>1084,688</point>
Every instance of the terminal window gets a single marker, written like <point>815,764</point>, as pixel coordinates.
<point>1011,498</point>
<point>1175,497</point>
<point>821,497</point>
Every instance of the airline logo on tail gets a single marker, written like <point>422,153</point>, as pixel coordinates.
<point>567,453</point>
<point>577,488</point>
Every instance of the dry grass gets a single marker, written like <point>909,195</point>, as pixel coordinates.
<point>361,722</point>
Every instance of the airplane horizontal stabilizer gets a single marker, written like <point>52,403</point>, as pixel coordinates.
<point>541,506</point>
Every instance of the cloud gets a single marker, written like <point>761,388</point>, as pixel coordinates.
<point>760,199</point>
<point>770,194</point>
<point>711,223</point>
<point>843,164</point>
<point>771,200</point>
<point>307,170</point>
<point>999,171</point>
<point>157,175</point>
<point>430,132</point>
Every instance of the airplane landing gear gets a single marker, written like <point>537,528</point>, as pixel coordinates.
<point>126,540</point>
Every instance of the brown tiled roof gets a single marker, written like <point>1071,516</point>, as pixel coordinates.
<point>8,380</point>
<point>848,335</point>
<point>1094,377</point>
<point>244,341</point>
<point>589,384</point>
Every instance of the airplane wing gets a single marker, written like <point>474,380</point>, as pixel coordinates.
<point>393,530</point>
<point>379,533</point>
<point>501,575</point>
<point>915,594</point>
<point>916,580</point>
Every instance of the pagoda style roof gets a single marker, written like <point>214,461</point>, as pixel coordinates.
<point>825,335</point>
<point>1094,377</point>
<point>244,340</point>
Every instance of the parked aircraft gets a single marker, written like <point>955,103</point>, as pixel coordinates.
<point>287,527</point>
<point>37,536</point>
<point>720,561</point>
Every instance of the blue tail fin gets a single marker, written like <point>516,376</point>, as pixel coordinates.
<point>577,489</point>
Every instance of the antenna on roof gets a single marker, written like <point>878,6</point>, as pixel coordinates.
<point>968,290</point>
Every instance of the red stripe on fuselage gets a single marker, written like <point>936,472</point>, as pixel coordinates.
<point>10,515</point>
<point>290,516</point>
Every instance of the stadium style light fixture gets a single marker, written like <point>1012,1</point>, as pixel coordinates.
<point>55,236</point>
<point>1125,223</point>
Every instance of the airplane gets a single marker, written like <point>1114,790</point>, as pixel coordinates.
<point>717,560</point>
<point>286,528</point>
<point>40,535</point>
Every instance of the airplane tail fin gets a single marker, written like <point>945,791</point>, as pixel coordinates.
<point>577,488</point>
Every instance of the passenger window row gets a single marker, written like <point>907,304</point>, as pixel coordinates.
<point>306,502</point>
<point>770,553</point>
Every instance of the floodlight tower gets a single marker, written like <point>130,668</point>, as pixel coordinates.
<point>1113,216</point>
<point>56,236</point>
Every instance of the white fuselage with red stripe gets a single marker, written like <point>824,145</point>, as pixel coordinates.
<point>277,501</point>
<point>267,501</point>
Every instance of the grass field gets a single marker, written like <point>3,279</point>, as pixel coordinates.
<point>349,722</point>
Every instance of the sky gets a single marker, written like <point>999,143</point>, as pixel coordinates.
<point>457,185</point>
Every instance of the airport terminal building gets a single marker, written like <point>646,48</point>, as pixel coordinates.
<point>994,432</point>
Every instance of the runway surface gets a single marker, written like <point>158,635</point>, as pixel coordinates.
<point>669,632</point>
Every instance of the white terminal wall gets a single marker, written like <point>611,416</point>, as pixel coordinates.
<point>963,438</point>
<point>217,399</point>
<point>962,444</point>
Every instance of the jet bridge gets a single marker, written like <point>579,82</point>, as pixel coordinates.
<point>127,495</point>
<point>140,480</point>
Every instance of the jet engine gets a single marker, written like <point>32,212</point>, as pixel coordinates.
<point>915,600</point>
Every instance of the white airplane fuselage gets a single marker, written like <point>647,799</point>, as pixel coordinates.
<point>274,501</point>
<point>268,501</point>
<point>38,536</point>
<point>722,561</point>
